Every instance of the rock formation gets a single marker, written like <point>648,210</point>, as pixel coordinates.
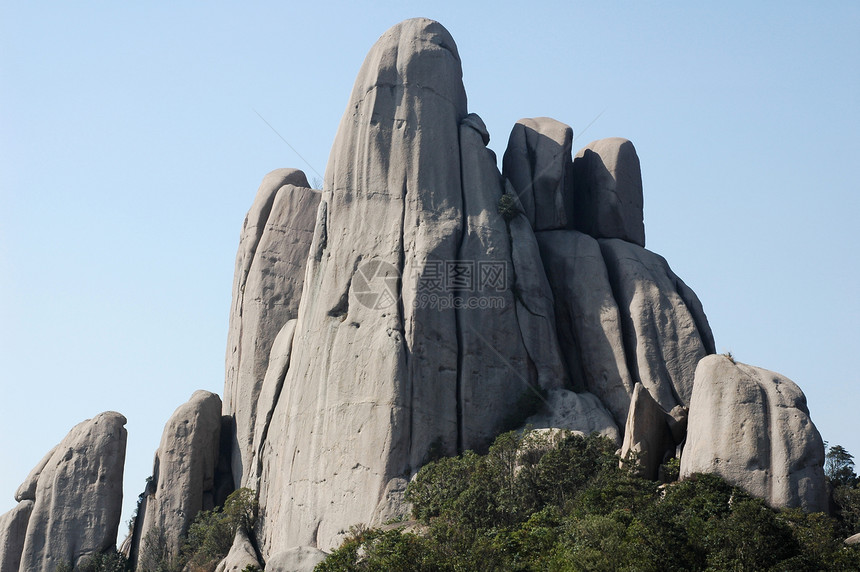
<point>538,165</point>
<point>421,304</point>
<point>751,426</point>
<point>13,532</point>
<point>581,413</point>
<point>607,184</point>
<point>273,248</point>
<point>241,555</point>
<point>663,325</point>
<point>439,293</point>
<point>588,318</point>
<point>183,474</point>
<point>373,385</point>
<point>647,434</point>
<point>70,504</point>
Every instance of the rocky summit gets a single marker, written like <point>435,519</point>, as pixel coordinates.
<point>421,304</point>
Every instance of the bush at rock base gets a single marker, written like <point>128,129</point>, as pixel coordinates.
<point>209,537</point>
<point>570,507</point>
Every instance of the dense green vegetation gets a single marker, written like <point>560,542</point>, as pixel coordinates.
<point>532,505</point>
<point>208,540</point>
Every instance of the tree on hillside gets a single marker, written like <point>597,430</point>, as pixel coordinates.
<point>839,467</point>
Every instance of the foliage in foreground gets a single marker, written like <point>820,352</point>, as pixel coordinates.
<point>208,540</point>
<point>531,506</point>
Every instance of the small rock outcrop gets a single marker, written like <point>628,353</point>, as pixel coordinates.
<point>647,435</point>
<point>70,505</point>
<point>581,413</point>
<point>267,285</point>
<point>241,555</point>
<point>298,559</point>
<point>752,427</point>
<point>607,183</point>
<point>183,474</point>
<point>13,532</point>
<point>537,162</point>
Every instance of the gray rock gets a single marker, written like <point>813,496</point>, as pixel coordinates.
<point>647,434</point>
<point>241,555</point>
<point>537,163</point>
<point>78,502</point>
<point>13,530</point>
<point>752,427</point>
<point>183,473</point>
<point>297,559</point>
<point>270,391</point>
<point>607,183</point>
<point>267,284</point>
<point>393,505</point>
<point>581,413</point>
<point>587,318</point>
<point>372,381</point>
<point>535,304</point>
<point>494,367</point>
<point>665,330</point>
<point>852,540</point>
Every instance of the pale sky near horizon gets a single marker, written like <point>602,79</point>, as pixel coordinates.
<point>131,146</point>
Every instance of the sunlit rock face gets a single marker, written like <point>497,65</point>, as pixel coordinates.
<point>751,426</point>
<point>441,302</point>
<point>70,505</point>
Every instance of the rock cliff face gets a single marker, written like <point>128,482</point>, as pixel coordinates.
<point>439,295</point>
<point>421,304</point>
<point>273,249</point>
<point>70,504</point>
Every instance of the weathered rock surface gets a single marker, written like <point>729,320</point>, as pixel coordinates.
<point>241,555</point>
<point>647,434</point>
<point>270,391</point>
<point>13,531</point>
<point>665,329</point>
<point>607,183</point>
<point>537,162</point>
<point>298,559</point>
<point>579,412</point>
<point>183,473</point>
<point>78,496</point>
<point>752,427</point>
<point>494,367</point>
<point>534,303</point>
<point>273,250</point>
<point>587,317</point>
<point>372,384</point>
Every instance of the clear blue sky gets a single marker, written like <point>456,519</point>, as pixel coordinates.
<point>130,151</point>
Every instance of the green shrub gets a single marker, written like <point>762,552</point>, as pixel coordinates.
<point>530,504</point>
<point>507,207</point>
<point>211,534</point>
